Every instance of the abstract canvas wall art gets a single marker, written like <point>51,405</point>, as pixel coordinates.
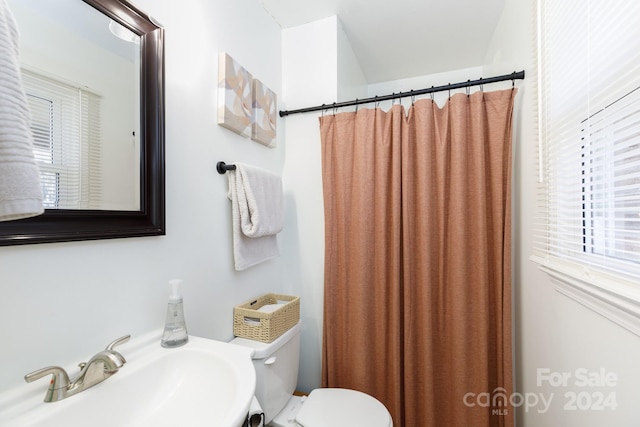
<point>234,96</point>
<point>263,128</point>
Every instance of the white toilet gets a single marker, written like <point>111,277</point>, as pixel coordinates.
<point>276,365</point>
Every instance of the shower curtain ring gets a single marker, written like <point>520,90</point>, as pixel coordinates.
<point>357,105</point>
<point>468,89</point>
<point>334,109</point>
<point>431,94</point>
<point>413,98</point>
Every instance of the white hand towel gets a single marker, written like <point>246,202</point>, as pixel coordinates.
<point>257,214</point>
<point>20,191</point>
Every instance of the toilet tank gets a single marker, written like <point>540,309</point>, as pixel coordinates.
<point>276,366</point>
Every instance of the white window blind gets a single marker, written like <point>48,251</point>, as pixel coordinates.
<point>65,122</point>
<point>589,200</point>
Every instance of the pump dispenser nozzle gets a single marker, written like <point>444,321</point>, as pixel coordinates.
<point>175,328</point>
<point>175,290</point>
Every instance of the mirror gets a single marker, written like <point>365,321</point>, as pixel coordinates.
<point>129,124</point>
<point>80,73</point>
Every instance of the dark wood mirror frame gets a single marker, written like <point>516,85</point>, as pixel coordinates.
<point>61,225</point>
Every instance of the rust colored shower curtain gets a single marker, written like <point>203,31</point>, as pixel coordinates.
<point>417,307</point>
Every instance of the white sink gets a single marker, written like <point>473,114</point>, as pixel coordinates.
<point>203,383</point>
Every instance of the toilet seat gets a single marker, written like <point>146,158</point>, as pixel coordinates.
<point>338,407</point>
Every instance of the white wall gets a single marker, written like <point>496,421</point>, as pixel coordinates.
<point>552,331</point>
<point>61,303</point>
<point>318,68</point>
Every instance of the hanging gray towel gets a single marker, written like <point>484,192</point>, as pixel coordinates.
<point>258,214</point>
<point>20,190</point>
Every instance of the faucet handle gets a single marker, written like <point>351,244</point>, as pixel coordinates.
<point>60,377</point>
<point>119,341</point>
<point>59,382</point>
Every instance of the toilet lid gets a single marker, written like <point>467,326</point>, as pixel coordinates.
<point>338,407</point>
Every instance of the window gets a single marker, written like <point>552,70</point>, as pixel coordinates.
<point>588,233</point>
<point>611,183</point>
<point>64,120</point>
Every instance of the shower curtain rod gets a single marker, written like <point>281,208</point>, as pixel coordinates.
<point>513,76</point>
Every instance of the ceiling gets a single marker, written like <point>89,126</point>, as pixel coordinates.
<point>78,18</point>
<point>403,38</point>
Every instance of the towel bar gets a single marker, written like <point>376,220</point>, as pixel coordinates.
<point>222,167</point>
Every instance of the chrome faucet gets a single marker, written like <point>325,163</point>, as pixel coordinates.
<point>100,367</point>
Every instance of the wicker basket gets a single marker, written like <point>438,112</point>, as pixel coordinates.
<point>249,322</point>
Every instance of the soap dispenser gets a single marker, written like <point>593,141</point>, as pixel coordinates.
<point>175,328</point>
